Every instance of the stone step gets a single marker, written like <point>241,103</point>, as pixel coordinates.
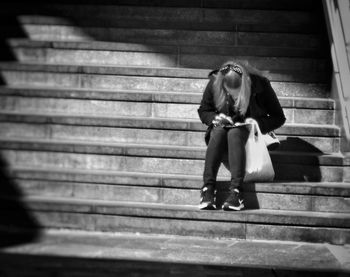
<point>183,97</point>
<point>178,189</point>
<point>240,4</point>
<point>59,252</point>
<point>163,36</point>
<point>171,18</point>
<point>176,181</point>
<point>180,50</point>
<point>154,123</point>
<point>94,215</point>
<point>297,5</point>
<point>229,18</point>
<point>100,134</point>
<point>184,196</point>
<point>37,53</point>
<point>153,150</point>
<point>149,79</point>
<point>288,166</point>
<point>139,109</point>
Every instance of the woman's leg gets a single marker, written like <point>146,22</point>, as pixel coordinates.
<point>216,148</point>
<point>236,140</point>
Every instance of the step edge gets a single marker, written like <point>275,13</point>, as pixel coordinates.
<point>134,71</point>
<point>152,96</point>
<point>155,151</point>
<point>246,216</point>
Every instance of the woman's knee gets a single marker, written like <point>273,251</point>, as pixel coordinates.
<point>218,135</point>
<point>239,134</point>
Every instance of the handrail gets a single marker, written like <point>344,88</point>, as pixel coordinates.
<point>337,13</point>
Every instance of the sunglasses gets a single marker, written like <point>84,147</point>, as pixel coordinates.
<point>231,67</point>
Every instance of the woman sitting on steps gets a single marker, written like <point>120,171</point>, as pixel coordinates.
<point>235,92</point>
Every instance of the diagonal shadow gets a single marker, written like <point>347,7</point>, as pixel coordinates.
<point>17,224</point>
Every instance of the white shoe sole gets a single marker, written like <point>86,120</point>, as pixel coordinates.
<point>233,208</point>
<point>208,206</point>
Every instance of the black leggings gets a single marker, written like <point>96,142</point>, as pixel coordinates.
<point>226,145</point>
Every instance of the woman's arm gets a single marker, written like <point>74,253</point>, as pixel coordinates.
<point>275,117</point>
<point>207,111</point>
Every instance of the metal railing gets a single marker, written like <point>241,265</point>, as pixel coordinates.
<point>337,13</point>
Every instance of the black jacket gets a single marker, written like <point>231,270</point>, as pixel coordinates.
<point>264,106</point>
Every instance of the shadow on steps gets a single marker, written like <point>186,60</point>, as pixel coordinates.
<point>30,265</point>
<point>17,224</point>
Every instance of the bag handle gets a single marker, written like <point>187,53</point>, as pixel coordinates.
<point>254,128</point>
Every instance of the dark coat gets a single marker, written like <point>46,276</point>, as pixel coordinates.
<point>264,106</point>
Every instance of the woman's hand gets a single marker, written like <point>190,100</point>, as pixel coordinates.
<point>222,120</point>
<point>250,120</point>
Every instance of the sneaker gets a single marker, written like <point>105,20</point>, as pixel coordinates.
<point>234,202</point>
<point>207,199</point>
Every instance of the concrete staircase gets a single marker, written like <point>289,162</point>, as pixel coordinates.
<point>99,127</point>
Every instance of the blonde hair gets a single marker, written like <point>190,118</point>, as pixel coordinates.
<point>242,102</point>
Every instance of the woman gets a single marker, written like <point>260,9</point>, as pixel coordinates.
<point>234,92</point>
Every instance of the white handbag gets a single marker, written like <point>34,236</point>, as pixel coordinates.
<point>258,161</point>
